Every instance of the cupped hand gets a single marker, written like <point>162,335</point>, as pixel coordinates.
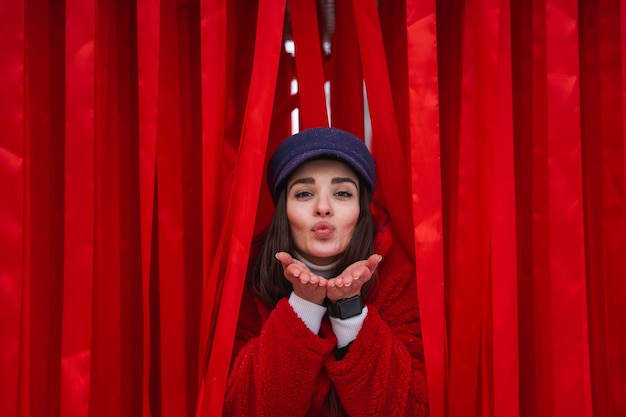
<point>305,284</point>
<point>351,280</point>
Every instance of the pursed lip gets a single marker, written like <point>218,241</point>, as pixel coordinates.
<point>323,229</point>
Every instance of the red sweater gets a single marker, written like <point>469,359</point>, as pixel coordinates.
<point>281,368</point>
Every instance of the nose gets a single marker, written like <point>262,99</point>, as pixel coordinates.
<point>323,207</point>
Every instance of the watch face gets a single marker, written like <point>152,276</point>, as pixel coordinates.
<point>349,307</point>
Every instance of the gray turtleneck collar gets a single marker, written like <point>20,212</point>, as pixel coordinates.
<point>326,271</point>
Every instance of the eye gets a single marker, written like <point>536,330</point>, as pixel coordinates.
<point>343,194</point>
<point>303,194</point>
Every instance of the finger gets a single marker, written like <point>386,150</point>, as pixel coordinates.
<point>341,282</point>
<point>366,268</point>
<point>284,258</point>
<point>356,272</point>
<point>304,277</point>
<point>317,280</point>
<point>373,261</point>
<point>293,270</point>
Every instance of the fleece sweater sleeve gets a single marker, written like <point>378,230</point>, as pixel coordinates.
<point>383,372</point>
<point>276,372</point>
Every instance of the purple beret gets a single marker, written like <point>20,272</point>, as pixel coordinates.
<point>320,143</point>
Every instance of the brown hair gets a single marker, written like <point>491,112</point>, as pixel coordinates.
<point>266,278</point>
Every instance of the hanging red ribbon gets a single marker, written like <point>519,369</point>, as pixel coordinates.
<point>79,209</point>
<point>44,211</point>
<point>345,75</point>
<point>392,166</point>
<point>231,259</point>
<point>308,56</point>
<point>12,190</point>
<point>147,71</point>
<point>572,390</point>
<point>467,238</point>
<point>503,249</point>
<point>426,192</point>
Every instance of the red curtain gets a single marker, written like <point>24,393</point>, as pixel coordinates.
<point>135,135</point>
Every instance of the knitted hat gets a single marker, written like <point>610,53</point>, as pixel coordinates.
<point>320,143</point>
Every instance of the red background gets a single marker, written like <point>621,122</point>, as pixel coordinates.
<point>134,136</point>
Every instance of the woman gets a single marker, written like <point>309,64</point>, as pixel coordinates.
<point>329,324</point>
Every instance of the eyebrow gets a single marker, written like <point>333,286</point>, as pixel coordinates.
<point>335,180</point>
<point>339,180</point>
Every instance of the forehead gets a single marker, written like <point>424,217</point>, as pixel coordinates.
<point>323,167</point>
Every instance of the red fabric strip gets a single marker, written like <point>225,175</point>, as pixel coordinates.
<point>105,396</point>
<point>538,389</point>
<point>622,25</point>
<point>572,396</point>
<point>346,78</point>
<point>426,193</point>
<point>593,142</point>
<point>393,186</point>
<point>221,142</point>
<point>468,262</point>
<point>308,56</point>
<point>394,33</point>
<point>605,206</point>
<point>12,190</point>
<point>148,70</point>
<point>79,208</point>
<point>449,39</point>
<point>486,24</point>
<point>45,213</point>
<point>129,238</point>
<point>224,147</point>
<point>172,273</point>
<point>191,133</point>
<point>213,47</point>
<point>237,233</point>
<point>503,249</point>
<point>617,229</point>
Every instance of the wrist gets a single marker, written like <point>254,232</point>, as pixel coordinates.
<point>319,302</point>
<point>310,313</point>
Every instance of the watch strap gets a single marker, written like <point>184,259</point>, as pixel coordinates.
<point>340,353</point>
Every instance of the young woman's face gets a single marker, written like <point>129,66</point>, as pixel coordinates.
<point>323,209</point>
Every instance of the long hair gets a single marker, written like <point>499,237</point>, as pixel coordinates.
<point>266,278</point>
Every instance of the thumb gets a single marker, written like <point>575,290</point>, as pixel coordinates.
<point>373,261</point>
<point>284,258</point>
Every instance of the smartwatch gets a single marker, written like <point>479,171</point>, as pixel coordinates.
<point>346,307</point>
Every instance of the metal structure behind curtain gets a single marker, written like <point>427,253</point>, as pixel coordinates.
<point>131,186</point>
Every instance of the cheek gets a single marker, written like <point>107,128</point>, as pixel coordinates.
<point>351,220</point>
<point>293,217</point>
